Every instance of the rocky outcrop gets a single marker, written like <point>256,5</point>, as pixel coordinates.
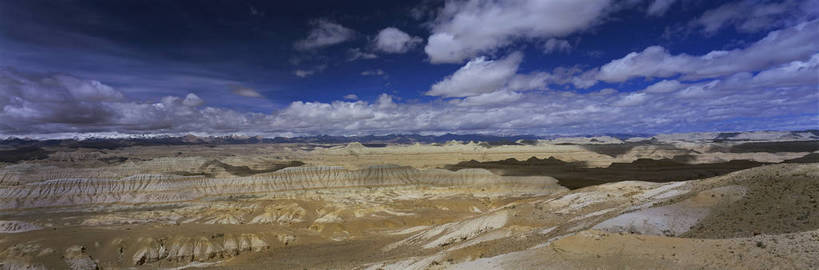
<point>14,226</point>
<point>77,259</point>
<point>190,249</point>
<point>151,188</point>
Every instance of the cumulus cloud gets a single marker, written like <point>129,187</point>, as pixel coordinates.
<point>540,80</point>
<point>663,86</point>
<point>340,116</point>
<point>29,99</point>
<point>784,90</point>
<point>753,16</point>
<point>699,90</point>
<point>324,33</point>
<point>478,76</point>
<point>33,102</point>
<point>777,47</point>
<point>605,92</point>
<point>774,78</point>
<point>385,102</point>
<point>496,98</point>
<point>556,45</point>
<point>48,103</point>
<point>632,99</point>
<point>87,90</point>
<point>793,74</point>
<point>246,92</point>
<point>393,40</point>
<point>464,29</point>
<point>192,100</point>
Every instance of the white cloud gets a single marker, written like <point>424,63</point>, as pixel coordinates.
<point>605,92</point>
<point>789,75</point>
<point>705,105</point>
<point>496,98</point>
<point>46,103</point>
<point>663,86</point>
<point>324,33</point>
<point>28,99</point>
<point>699,90</point>
<point>246,92</point>
<point>532,81</point>
<point>753,16</point>
<point>556,45</point>
<point>632,99</point>
<point>773,78</point>
<point>654,61</point>
<point>478,76</point>
<point>304,73</point>
<point>777,47</point>
<point>393,40</point>
<point>374,72</point>
<point>34,103</point>
<point>192,100</point>
<point>559,76</point>
<point>464,29</point>
<point>659,7</point>
<point>87,90</point>
<point>385,102</point>
<point>338,115</point>
<point>356,53</point>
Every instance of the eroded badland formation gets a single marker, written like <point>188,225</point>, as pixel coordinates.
<point>690,201</point>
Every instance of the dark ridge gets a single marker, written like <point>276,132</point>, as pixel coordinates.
<point>683,158</point>
<point>24,153</point>
<point>773,147</point>
<point>576,175</point>
<point>500,143</point>
<point>245,170</point>
<point>809,158</point>
<point>725,136</point>
<point>374,145</point>
<point>616,149</point>
<point>185,173</point>
<point>528,142</point>
<point>113,160</point>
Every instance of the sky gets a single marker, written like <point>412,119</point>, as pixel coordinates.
<point>276,68</point>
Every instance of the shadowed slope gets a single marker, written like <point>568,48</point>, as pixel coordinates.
<point>575,175</point>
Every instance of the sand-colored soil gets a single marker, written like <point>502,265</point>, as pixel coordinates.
<point>283,207</point>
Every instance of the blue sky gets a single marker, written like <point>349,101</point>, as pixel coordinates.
<point>381,67</point>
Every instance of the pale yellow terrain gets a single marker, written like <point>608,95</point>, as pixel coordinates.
<point>357,207</point>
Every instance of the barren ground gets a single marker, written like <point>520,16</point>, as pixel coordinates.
<point>558,205</point>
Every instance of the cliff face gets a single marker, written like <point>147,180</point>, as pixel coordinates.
<point>153,219</point>
<point>154,188</point>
